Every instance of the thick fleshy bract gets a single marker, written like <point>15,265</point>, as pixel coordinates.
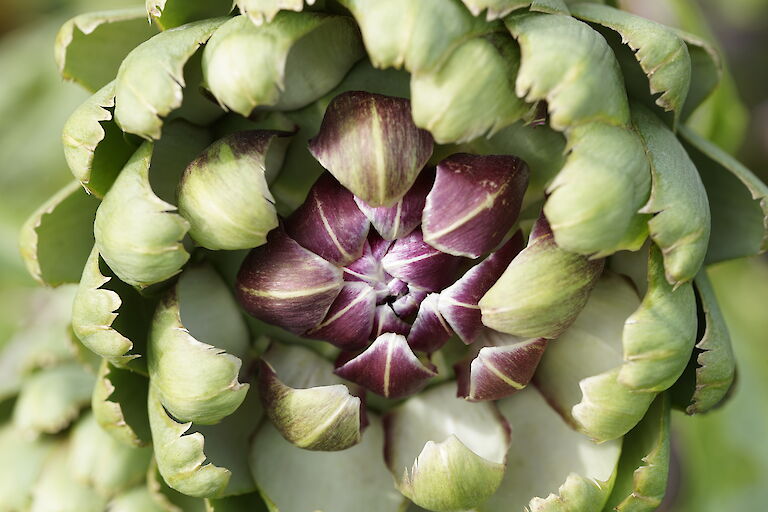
<point>414,261</point>
<point>459,302</point>
<point>247,66</point>
<point>370,144</point>
<point>385,320</point>
<point>180,342</point>
<point>473,203</point>
<point>502,367</point>
<point>284,284</point>
<point>329,223</point>
<point>306,403</point>
<point>430,330</point>
<point>392,222</point>
<point>136,229</point>
<point>224,194</point>
<point>579,373</point>
<point>350,318</point>
<point>388,367</point>
<point>542,291</point>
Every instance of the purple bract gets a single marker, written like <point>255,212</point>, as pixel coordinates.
<point>389,285</point>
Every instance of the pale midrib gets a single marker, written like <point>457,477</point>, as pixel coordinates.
<point>500,375</point>
<point>378,152</point>
<point>442,320</point>
<point>398,213</point>
<point>330,231</point>
<point>471,214</point>
<point>289,294</point>
<point>343,311</point>
<point>317,432</point>
<point>401,263</point>
<point>459,303</point>
<point>388,367</point>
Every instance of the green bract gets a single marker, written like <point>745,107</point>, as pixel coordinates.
<point>387,255</point>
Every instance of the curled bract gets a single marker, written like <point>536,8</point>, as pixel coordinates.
<point>224,193</point>
<point>542,290</point>
<point>441,464</point>
<point>306,403</point>
<point>247,66</point>
<point>197,312</point>
<point>137,232</point>
<point>579,373</point>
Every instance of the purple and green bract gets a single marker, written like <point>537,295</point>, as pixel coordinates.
<point>390,284</point>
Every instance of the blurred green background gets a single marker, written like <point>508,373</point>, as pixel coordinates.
<point>722,456</point>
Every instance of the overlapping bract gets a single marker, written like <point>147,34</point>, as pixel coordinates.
<point>391,228</point>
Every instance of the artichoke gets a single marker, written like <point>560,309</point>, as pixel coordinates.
<point>471,236</point>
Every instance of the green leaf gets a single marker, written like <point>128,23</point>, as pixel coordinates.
<point>658,338</point>
<point>109,317</point>
<point>495,9</point>
<point>119,405</point>
<point>94,147</point>
<point>150,81</point>
<point>182,450</point>
<point>738,200</point>
<point>681,224</point>
<point>306,402</point>
<point>550,466</point>
<point>661,53</point>
<point>472,94</point>
<point>103,463</point>
<point>90,47</point>
<point>23,460</point>
<point>174,13</point>
<point>261,11</point>
<point>706,71</point>
<point>550,6</point>
<point>41,340</point>
<point>251,502</point>
<point>138,499</point>
<point>712,369</point>
<point>272,70</point>
<point>169,499</point>
<point>722,118</point>
<point>644,465</point>
<point>419,36</point>
<point>137,233</point>
<point>331,481</point>
<point>198,311</point>
<point>58,490</point>
<point>579,371</point>
<point>610,159</point>
<point>56,239</point>
<point>570,66</point>
<point>51,399</point>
